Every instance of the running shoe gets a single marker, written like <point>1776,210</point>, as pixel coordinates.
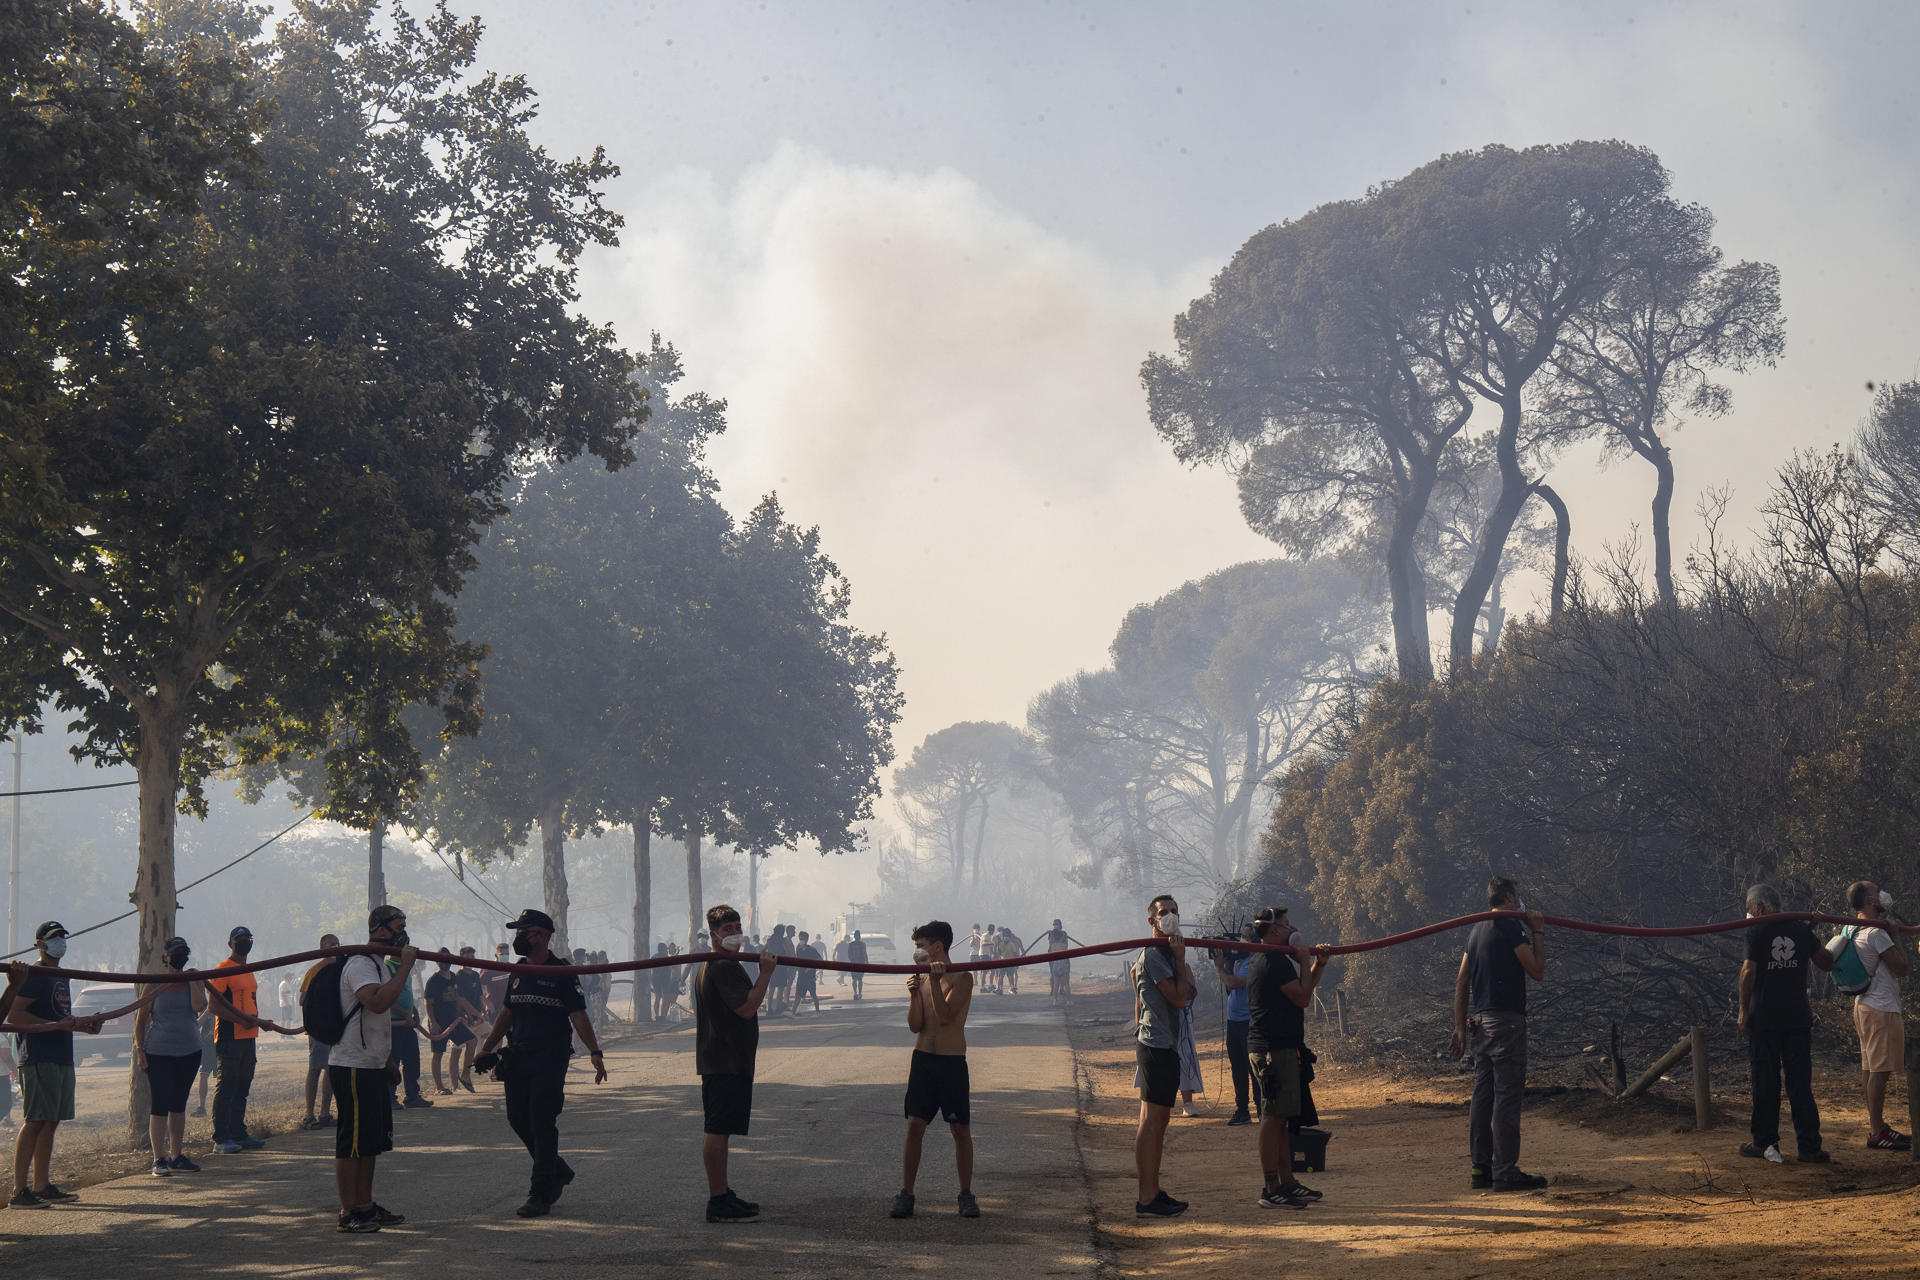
<point>729,1209</point>
<point>1515,1180</point>
<point>1890,1139</point>
<point>902,1205</point>
<point>162,1169</point>
<point>1239,1117</point>
<point>354,1222</point>
<point>1281,1198</point>
<point>250,1143</point>
<point>1161,1206</point>
<point>54,1195</point>
<point>228,1148</point>
<point>1303,1191</point>
<point>735,1197</point>
<point>969,1207</point>
<point>183,1165</point>
<point>25,1199</point>
<point>385,1216</point>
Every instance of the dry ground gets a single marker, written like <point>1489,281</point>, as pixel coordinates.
<point>1633,1189</point>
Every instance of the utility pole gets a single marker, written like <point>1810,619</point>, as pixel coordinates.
<point>13,871</point>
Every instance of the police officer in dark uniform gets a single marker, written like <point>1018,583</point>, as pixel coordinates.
<point>544,1010</point>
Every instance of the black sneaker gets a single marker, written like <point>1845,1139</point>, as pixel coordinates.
<point>1814,1157</point>
<point>730,1209</point>
<point>1515,1180</point>
<point>969,1207</point>
<point>25,1199</point>
<point>354,1222</point>
<point>1280,1198</point>
<point>54,1195</point>
<point>1239,1117</point>
<point>1161,1206</point>
<point>902,1205</point>
<point>535,1207</point>
<point>385,1216</point>
<point>180,1164</point>
<point>416,1103</point>
<point>749,1205</point>
<point>1301,1191</point>
<point>1482,1177</point>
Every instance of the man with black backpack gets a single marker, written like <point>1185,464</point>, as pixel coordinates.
<point>1778,1024</point>
<point>354,1021</point>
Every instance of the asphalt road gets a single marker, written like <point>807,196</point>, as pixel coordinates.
<point>823,1160</point>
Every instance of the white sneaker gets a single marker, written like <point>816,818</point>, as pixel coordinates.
<point>1773,1154</point>
<point>1187,1111</point>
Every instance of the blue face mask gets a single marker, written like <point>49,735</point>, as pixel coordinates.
<point>56,948</point>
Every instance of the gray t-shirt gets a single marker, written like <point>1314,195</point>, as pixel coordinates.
<point>174,1030</point>
<point>1159,1022</point>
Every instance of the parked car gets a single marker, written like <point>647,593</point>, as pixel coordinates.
<point>115,1040</point>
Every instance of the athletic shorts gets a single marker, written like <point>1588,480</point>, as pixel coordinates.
<point>170,1079</point>
<point>461,1035</point>
<point>363,1112</point>
<point>728,1102</point>
<point>1159,1074</point>
<point>46,1091</point>
<point>317,1054</point>
<point>937,1084</point>
<point>1882,1039</point>
<point>1278,1073</point>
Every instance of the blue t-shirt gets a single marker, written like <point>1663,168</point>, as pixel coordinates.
<point>1237,999</point>
<point>49,999</point>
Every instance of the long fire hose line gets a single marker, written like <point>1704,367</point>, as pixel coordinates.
<point>971,966</point>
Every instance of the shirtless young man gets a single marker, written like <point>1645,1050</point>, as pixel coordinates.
<point>937,1084</point>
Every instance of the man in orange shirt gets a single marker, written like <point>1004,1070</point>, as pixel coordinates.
<point>236,1034</point>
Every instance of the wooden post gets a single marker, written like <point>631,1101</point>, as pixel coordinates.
<point>1702,1083</point>
<point>1659,1068</point>
<point>1340,1008</point>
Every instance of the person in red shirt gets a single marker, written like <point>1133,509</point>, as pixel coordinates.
<point>236,1032</point>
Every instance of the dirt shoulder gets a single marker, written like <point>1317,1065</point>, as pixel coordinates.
<point>1632,1186</point>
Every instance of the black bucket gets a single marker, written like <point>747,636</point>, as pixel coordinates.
<point>1310,1150</point>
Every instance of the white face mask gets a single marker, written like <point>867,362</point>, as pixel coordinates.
<point>1519,904</point>
<point>56,947</point>
<point>1886,900</point>
<point>732,943</point>
<point>920,955</point>
<point>1170,923</point>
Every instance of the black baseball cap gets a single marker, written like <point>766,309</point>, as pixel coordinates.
<point>531,919</point>
<point>51,929</point>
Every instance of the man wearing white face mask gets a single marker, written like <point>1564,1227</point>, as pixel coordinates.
<point>726,1038</point>
<point>1162,985</point>
<point>937,1082</point>
<point>46,1069</point>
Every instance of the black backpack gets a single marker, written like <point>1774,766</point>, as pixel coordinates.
<point>320,1002</point>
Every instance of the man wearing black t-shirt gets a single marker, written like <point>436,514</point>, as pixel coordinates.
<point>1778,1023</point>
<point>1279,989</point>
<point>726,1037</point>
<point>1490,1014</point>
<point>544,1011</point>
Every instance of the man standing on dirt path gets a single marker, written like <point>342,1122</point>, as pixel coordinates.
<point>1279,989</point>
<point>726,1008</point>
<point>1490,1014</point>
<point>1876,1011</point>
<point>1162,985</point>
<point>937,1081</point>
<point>1778,1024</point>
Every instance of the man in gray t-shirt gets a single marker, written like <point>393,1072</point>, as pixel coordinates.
<point>1162,985</point>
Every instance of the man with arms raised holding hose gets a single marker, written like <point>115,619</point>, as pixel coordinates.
<point>726,1037</point>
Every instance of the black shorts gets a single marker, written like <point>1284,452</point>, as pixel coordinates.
<point>937,1084</point>
<point>1159,1074</point>
<point>728,1102</point>
<point>170,1077</point>
<point>462,1034</point>
<point>363,1112</point>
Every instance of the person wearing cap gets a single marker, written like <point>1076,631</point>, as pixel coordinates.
<point>236,1037</point>
<point>357,1065</point>
<point>726,1007</point>
<point>46,1068</point>
<point>166,1046</point>
<point>544,1011</point>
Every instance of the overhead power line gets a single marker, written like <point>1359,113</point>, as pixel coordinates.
<point>55,791</point>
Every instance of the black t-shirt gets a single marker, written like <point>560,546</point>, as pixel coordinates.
<point>442,1007</point>
<point>724,1042</point>
<point>1274,1021</point>
<point>467,984</point>
<point>49,998</point>
<point>1496,982</point>
<point>1780,952</point>
<point>857,951</point>
<point>541,1000</point>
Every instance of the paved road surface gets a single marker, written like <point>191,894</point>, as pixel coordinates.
<point>823,1160</point>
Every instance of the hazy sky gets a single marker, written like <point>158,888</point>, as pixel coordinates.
<point>923,249</point>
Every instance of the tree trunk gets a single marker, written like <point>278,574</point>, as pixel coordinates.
<point>553,870</point>
<point>1662,521</point>
<point>696,906</point>
<point>158,765</point>
<point>376,865</point>
<point>980,839</point>
<point>959,838</point>
<point>1413,650</point>
<point>1515,488</point>
<point>642,911</point>
<point>1562,541</point>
